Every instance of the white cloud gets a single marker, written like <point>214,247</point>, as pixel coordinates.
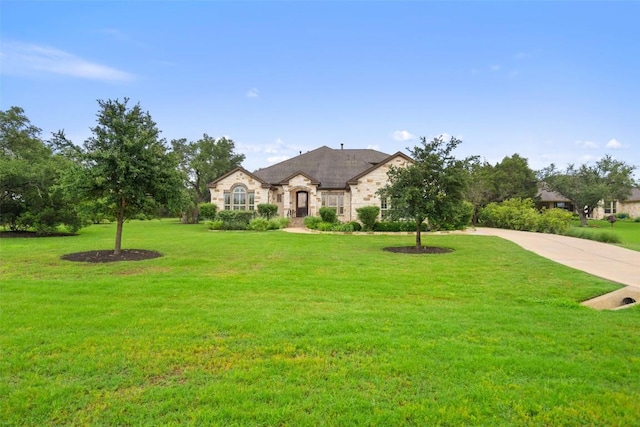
<point>373,147</point>
<point>402,135</point>
<point>496,67</point>
<point>614,144</point>
<point>253,93</point>
<point>586,144</point>
<point>24,58</point>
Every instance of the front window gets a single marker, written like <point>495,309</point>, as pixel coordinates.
<point>563,205</point>
<point>610,207</point>
<point>239,199</point>
<point>335,201</point>
<point>384,208</point>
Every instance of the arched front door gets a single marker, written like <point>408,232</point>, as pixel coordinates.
<point>302,204</point>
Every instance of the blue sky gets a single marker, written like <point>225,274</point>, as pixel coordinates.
<point>556,82</point>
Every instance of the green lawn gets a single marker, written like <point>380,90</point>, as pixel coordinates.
<point>243,328</point>
<point>627,231</point>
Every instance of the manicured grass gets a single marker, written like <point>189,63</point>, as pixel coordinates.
<point>628,232</point>
<point>246,328</point>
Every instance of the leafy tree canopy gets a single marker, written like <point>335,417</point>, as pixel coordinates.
<point>586,185</point>
<point>432,187</point>
<point>30,197</point>
<point>205,160</point>
<point>508,179</point>
<point>201,162</point>
<point>126,164</point>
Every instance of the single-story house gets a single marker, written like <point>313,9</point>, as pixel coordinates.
<point>630,206</point>
<point>343,179</point>
<point>548,199</point>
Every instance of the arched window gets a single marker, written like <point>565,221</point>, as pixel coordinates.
<point>239,199</point>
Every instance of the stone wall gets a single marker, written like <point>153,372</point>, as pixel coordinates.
<point>239,177</point>
<point>364,193</point>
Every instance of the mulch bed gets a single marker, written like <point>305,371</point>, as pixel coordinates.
<point>418,250</point>
<point>108,256</point>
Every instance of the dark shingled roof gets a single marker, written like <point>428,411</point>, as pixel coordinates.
<point>331,168</point>
<point>550,196</point>
<point>635,195</point>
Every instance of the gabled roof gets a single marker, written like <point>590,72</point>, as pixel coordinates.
<point>330,168</point>
<point>293,175</point>
<point>354,180</point>
<point>545,195</point>
<point>634,196</point>
<point>214,184</point>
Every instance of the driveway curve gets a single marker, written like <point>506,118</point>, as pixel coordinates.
<point>604,260</point>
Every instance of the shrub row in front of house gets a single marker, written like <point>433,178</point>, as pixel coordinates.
<point>328,221</point>
<point>260,220</point>
<point>521,214</point>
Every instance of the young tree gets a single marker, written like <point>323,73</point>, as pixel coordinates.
<point>126,164</point>
<point>432,187</point>
<point>201,162</point>
<point>586,185</point>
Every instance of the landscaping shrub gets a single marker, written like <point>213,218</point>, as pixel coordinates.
<point>520,214</point>
<point>264,224</point>
<point>312,222</point>
<point>368,216</point>
<point>324,226</point>
<point>235,220</point>
<point>513,214</point>
<point>623,215</point>
<point>556,221</point>
<point>599,236</point>
<point>637,219</point>
<point>259,224</point>
<point>328,214</point>
<point>207,211</point>
<point>215,225</point>
<point>280,222</point>
<point>267,210</point>
<point>355,225</point>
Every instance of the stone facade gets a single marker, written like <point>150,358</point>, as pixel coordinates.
<point>364,192</point>
<point>243,178</point>
<point>630,207</point>
<point>301,194</point>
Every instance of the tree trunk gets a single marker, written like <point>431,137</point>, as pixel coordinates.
<point>418,234</point>
<point>583,218</point>
<point>120,220</point>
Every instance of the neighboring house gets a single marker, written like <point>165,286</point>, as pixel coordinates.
<point>344,179</point>
<point>552,199</point>
<point>631,206</point>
